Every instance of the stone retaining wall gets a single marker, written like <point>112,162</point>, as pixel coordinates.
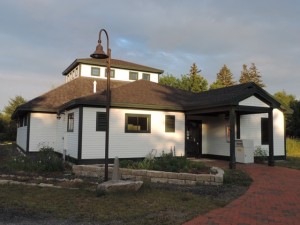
<point>154,176</point>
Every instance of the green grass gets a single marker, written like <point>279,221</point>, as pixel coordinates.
<point>293,147</point>
<point>293,154</point>
<point>237,177</point>
<point>148,206</point>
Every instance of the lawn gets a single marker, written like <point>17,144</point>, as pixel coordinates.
<point>153,204</point>
<point>293,154</point>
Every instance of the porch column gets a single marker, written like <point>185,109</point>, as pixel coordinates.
<point>270,138</point>
<point>232,120</point>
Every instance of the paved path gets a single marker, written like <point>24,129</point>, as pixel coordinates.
<point>273,198</point>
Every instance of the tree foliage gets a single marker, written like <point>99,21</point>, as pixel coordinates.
<point>224,79</point>
<point>284,98</point>
<point>251,75</point>
<point>193,81</point>
<point>7,126</point>
<point>293,121</point>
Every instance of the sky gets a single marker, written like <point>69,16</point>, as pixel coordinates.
<point>41,38</point>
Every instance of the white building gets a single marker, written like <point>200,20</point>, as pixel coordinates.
<point>146,116</point>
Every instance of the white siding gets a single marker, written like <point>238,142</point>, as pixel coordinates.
<point>22,137</point>
<point>120,74</point>
<point>93,142</point>
<point>140,144</point>
<point>42,131</point>
<point>251,129</point>
<point>131,145</point>
<point>253,101</point>
<point>71,138</point>
<point>61,128</point>
<point>214,136</point>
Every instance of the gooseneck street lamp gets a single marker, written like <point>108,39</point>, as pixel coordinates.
<point>100,54</point>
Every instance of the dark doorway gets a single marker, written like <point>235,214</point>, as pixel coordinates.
<point>193,142</point>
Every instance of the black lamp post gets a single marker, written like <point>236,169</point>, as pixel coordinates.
<point>100,54</point>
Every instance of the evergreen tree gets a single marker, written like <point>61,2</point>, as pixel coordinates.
<point>255,75</point>
<point>169,80</point>
<point>224,79</point>
<point>194,82</point>
<point>251,75</point>
<point>245,76</point>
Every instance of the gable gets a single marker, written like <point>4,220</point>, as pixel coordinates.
<point>253,101</point>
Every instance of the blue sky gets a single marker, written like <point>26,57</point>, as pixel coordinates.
<point>40,38</point>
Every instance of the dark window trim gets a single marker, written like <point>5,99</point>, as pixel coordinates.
<point>95,75</point>
<point>170,123</point>
<point>133,73</point>
<point>264,131</point>
<point>101,121</point>
<point>146,75</point>
<point>148,116</point>
<point>70,125</point>
<point>112,73</point>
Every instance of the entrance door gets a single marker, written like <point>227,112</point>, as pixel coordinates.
<point>193,144</point>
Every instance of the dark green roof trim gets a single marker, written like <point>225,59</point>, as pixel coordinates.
<point>115,63</point>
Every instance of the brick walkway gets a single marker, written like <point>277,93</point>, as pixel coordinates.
<point>273,198</point>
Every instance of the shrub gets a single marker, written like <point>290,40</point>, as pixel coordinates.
<point>260,154</point>
<point>166,162</point>
<point>237,177</point>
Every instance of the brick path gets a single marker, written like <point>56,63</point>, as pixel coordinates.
<point>273,198</point>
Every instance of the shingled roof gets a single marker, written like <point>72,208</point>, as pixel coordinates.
<point>144,94</point>
<point>115,63</point>
<point>52,100</point>
<point>141,94</point>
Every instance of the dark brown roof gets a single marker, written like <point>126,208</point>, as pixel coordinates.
<point>115,63</point>
<point>146,94</point>
<point>52,100</point>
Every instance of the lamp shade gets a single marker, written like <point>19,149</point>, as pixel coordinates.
<point>99,53</point>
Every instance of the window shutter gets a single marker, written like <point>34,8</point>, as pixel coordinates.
<point>101,121</point>
<point>170,123</point>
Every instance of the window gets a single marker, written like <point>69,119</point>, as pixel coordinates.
<point>112,73</point>
<point>70,127</point>
<point>101,121</point>
<point>169,123</point>
<point>25,121</point>
<point>95,71</point>
<point>264,131</point>
<point>146,76</point>
<point>133,75</point>
<point>137,123</point>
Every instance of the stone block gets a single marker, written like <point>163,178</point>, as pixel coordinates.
<point>159,180</point>
<point>152,173</point>
<point>125,171</point>
<point>204,177</point>
<point>128,177</point>
<point>187,176</point>
<point>219,178</point>
<point>176,181</point>
<point>170,175</point>
<point>190,182</point>
<point>139,172</point>
<point>119,186</point>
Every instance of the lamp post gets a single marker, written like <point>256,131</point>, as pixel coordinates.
<point>100,54</point>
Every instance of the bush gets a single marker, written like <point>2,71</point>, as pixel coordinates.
<point>166,162</point>
<point>237,177</point>
<point>45,161</point>
<point>260,155</point>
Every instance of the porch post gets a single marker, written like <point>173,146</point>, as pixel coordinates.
<point>270,138</point>
<point>232,120</point>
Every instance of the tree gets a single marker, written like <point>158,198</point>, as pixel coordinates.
<point>193,82</point>
<point>169,80</point>
<point>255,76</point>
<point>251,75</point>
<point>224,79</point>
<point>293,121</point>
<point>245,77</point>
<point>10,126</point>
<point>284,98</point>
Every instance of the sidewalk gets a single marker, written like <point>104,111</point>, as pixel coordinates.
<point>273,198</point>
